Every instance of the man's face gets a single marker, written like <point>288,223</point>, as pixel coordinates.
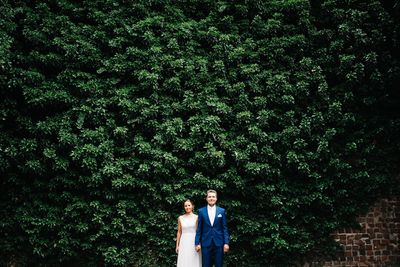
<point>211,199</point>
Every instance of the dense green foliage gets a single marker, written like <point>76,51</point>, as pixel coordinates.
<point>112,112</point>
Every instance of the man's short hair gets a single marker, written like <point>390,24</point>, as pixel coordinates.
<point>212,191</point>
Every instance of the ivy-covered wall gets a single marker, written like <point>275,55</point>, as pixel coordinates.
<point>112,112</point>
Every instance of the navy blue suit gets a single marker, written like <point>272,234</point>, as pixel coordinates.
<point>212,238</point>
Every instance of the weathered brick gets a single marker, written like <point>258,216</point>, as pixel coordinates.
<point>376,243</point>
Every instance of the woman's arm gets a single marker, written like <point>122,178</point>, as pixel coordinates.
<point>178,235</point>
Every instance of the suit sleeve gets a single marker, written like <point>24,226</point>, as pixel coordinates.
<point>198,230</point>
<point>225,228</point>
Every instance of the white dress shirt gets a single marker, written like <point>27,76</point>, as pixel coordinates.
<point>211,213</point>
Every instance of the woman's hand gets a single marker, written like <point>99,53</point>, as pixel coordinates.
<point>177,250</point>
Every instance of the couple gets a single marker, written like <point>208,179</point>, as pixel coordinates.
<point>206,233</point>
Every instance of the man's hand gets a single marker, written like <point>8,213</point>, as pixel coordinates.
<point>198,247</point>
<point>226,248</point>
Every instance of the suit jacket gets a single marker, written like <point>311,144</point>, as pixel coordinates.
<point>206,232</point>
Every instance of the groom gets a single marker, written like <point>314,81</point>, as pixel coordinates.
<point>212,235</point>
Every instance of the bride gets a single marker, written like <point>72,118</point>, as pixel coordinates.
<point>187,224</point>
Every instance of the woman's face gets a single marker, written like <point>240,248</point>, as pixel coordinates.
<point>188,207</point>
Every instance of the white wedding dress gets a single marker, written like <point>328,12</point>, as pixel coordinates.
<point>187,255</point>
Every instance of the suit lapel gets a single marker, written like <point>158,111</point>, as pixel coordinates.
<point>208,217</point>
<point>216,213</point>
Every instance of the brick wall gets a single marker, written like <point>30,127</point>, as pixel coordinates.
<point>377,243</point>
